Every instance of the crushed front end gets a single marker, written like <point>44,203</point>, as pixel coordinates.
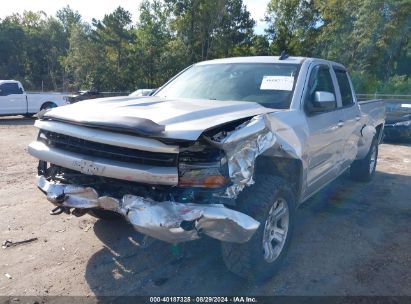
<point>174,191</point>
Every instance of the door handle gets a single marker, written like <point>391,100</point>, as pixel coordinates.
<point>357,118</point>
<point>340,123</point>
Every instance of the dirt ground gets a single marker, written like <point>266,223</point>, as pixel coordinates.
<point>351,239</point>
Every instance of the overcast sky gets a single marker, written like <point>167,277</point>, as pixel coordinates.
<point>97,9</point>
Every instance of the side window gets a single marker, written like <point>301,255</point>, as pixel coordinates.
<point>345,88</point>
<point>14,88</point>
<point>10,88</point>
<point>3,90</point>
<point>320,81</point>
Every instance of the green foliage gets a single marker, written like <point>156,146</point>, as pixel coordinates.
<point>83,60</point>
<point>68,18</point>
<point>397,84</point>
<point>113,36</point>
<point>233,34</point>
<point>153,42</point>
<point>211,28</point>
<point>30,48</point>
<point>370,37</point>
<point>12,37</point>
<point>292,26</point>
<point>400,84</point>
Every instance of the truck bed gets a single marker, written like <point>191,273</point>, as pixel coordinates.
<point>375,110</point>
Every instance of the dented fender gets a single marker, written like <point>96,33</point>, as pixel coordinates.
<point>364,142</point>
<point>248,141</point>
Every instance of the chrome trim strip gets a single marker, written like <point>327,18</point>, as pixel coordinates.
<point>104,167</point>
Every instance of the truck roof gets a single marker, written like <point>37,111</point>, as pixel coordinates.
<point>267,59</point>
<point>255,59</point>
<point>9,81</point>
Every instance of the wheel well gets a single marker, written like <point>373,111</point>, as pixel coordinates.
<point>288,168</point>
<point>46,104</point>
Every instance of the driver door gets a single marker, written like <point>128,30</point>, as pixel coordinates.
<point>12,99</point>
<point>324,140</point>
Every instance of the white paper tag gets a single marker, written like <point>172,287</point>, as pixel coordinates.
<point>282,83</point>
<point>405,105</point>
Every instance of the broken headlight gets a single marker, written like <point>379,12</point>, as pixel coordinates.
<point>43,137</point>
<point>203,167</point>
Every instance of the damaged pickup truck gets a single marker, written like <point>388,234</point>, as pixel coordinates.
<point>227,149</point>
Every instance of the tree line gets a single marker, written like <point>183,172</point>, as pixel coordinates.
<point>63,52</point>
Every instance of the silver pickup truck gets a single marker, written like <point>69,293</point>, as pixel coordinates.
<point>227,149</point>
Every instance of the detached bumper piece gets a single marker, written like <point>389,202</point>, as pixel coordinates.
<point>167,221</point>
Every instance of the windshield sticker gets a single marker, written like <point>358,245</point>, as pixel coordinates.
<point>281,83</point>
<point>405,105</point>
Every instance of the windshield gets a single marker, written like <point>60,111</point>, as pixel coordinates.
<point>270,85</point>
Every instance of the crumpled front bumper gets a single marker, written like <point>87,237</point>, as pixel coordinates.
<point>167,221</point>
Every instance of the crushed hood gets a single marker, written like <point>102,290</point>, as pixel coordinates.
<point>184,119</point>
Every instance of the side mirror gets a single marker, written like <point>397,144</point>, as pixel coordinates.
<point>323,101</point>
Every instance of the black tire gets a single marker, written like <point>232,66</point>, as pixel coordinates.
<point>29,115</point>
<point>48,105</point>
<point>363,170</point>
<point>105,214</point>
<point>247,260</point>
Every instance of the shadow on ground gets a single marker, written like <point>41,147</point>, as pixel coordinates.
<point>123,267</point>
<point>17,121</point>
<point>349,237</point>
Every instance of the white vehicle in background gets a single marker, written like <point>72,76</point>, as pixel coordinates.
<point>15,101</point>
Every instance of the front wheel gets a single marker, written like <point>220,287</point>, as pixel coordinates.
<point>271,202</point>
<point>363,170</point>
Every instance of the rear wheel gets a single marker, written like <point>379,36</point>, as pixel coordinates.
<point>105,214</point>
<point>363,170</point>
<point>271,202</point>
